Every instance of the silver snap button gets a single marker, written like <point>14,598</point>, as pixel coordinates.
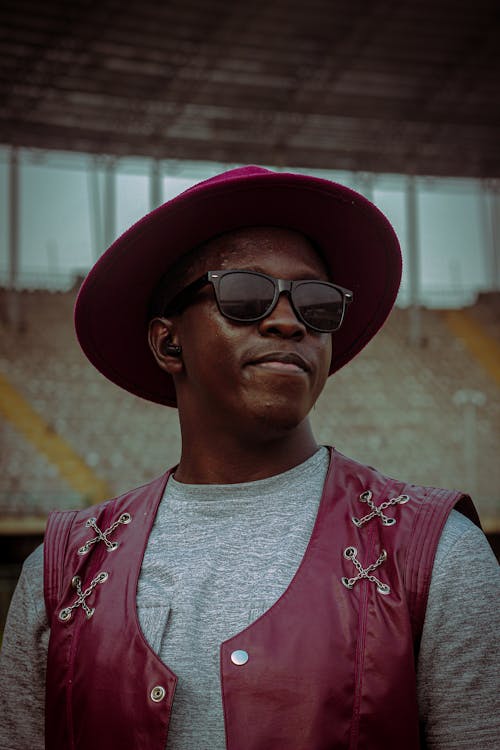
<point>158,693</point>
<point>239,657</point>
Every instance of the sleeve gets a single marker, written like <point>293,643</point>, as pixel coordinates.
<point>23,662</point>
<point>457,671</point>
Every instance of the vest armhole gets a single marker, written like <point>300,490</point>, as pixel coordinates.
<point>465,506</point>
<point>423,546</point>
<point>54,552</point>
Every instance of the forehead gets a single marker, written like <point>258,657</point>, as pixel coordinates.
<point>271,249</point>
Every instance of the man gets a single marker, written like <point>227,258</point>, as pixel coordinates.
<point>267,593</point>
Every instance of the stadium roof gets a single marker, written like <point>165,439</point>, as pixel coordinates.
<point>370,85</point>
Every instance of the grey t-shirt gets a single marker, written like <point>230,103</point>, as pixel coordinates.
<point>219,556</point>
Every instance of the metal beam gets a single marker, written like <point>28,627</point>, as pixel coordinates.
<point>13,303</point>
<point>95,207</point>
<point>413,249</point>
<point>155,184</point>
<point>109,201</point>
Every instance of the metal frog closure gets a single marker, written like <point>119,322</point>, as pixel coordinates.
<point>377,511</point>
<point>102,536</point>
<point>65,614</point>
<point>350,553</point>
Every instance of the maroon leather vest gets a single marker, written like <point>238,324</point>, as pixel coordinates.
<point>331,665</point>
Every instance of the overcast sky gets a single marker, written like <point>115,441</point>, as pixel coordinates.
<point>57,235</point>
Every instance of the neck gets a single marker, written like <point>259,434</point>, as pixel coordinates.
<point>230,459</point>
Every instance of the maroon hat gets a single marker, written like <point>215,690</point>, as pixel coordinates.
<point>357,243</point>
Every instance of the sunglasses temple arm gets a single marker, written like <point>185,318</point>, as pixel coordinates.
<point>182,298</point>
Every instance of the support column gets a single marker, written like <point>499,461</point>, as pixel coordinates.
<point>13,302</point>
<point>95,207</point>
<point>366,182</point>
<point>491,202</point>
<point>155,184</point>
<point>109,201</point>
<point>412,244</point>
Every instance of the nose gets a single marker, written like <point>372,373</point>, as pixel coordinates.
<point>282,321</point>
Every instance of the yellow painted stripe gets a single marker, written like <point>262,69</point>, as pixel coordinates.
<point>71,467</point>
<point>490,524</point>
<point>22,525</point>
<point>484,348</point>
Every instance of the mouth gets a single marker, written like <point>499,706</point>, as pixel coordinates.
<point>285,362</point>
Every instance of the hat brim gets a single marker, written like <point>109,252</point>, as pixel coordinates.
<point>356,240</point>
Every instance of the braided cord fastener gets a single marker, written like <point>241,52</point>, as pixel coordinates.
<point>350,553</point>
<point>102,536</point>
<point>66,613</point>
<point>377,511</point>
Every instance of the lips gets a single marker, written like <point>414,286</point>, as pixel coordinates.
<point>281,360</point>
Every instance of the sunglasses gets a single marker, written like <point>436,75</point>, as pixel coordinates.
<point>249,296</point>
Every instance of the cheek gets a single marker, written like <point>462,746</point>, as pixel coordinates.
<point>209,344</point>
<point>325,357</point>
<point>323,361</point>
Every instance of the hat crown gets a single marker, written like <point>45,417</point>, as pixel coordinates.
<point>231,174</point>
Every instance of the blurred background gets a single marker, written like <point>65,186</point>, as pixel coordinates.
<point>110,108</point>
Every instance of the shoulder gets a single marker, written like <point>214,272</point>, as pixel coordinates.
<point>431,505</point>
<point>462,546</point>
<point>30,583</point>
<point>465,582</point>
<point>27,617</point>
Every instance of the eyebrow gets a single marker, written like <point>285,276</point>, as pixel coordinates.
<point>305,276</point>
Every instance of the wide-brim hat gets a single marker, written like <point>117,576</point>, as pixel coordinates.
<point>356,241</point>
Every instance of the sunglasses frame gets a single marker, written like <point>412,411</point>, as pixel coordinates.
<point>281,286</point>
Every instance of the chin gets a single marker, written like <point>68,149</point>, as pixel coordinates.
<point>276,418</point>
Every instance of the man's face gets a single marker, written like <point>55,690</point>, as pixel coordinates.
<point>258,379</point>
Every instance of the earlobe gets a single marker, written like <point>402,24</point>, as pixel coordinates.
<point>166,351</point>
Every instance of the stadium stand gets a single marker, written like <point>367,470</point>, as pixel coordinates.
<point>392,408</point>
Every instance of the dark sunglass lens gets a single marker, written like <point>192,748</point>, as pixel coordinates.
<point>245,296</point>
<point>320,305</point>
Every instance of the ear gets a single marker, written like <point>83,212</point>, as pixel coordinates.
<point>162,342</point>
